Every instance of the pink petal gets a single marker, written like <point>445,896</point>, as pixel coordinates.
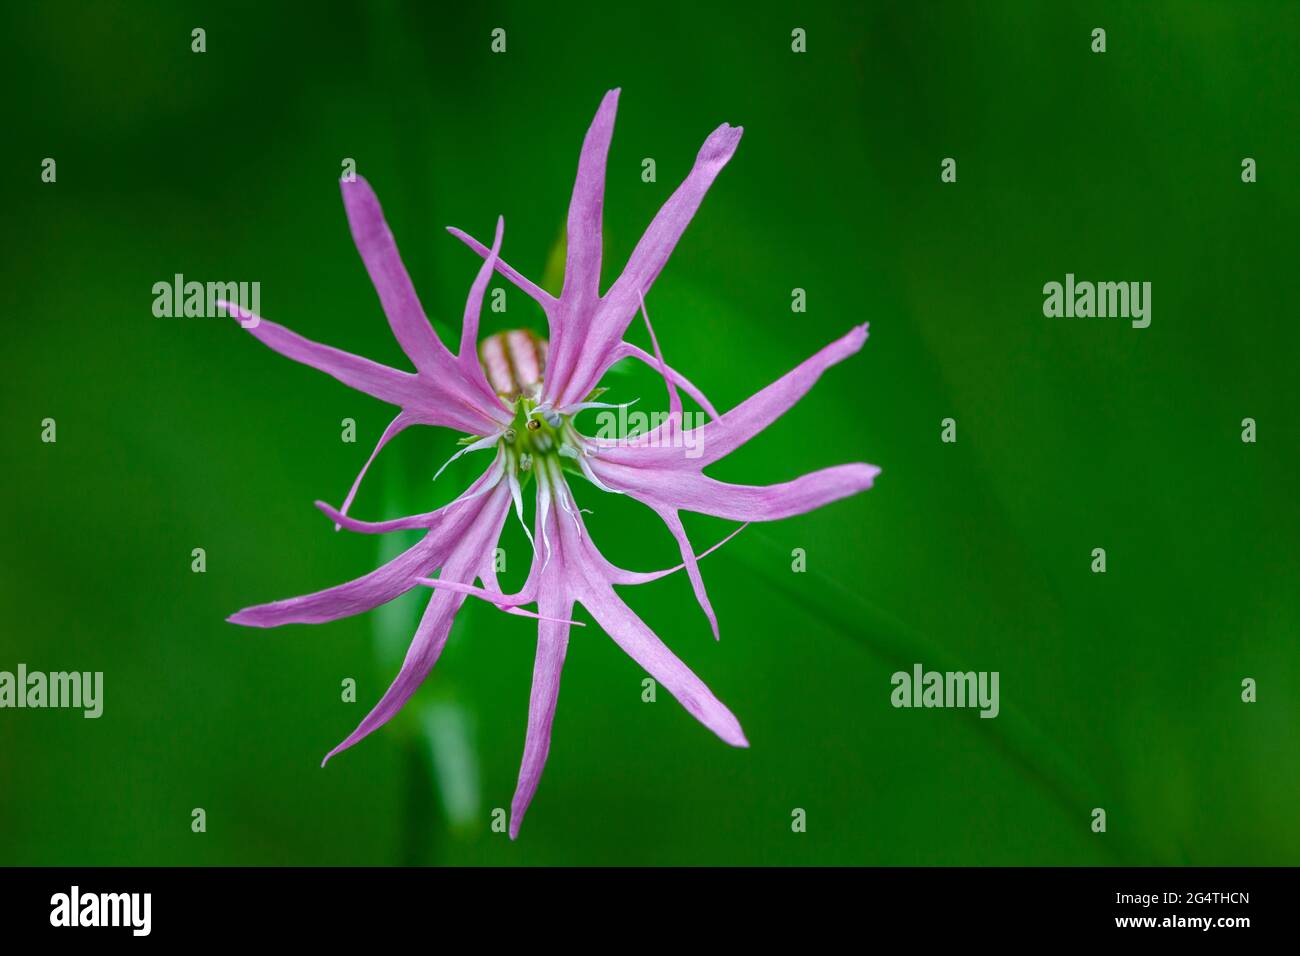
<point>492,591</point>
<point>429,519</point>
<point>719,439</point>
<point>628,350</point>
<point>552,642</point>
<point>688,490</point>
<point>674,523</point>
<point>380,586</point>
<point>581,294</point>
<point>397,295</point>
<point>643,646</point>
<point>468,359</point>
<point>355,597</point>
<point>617,575</point>
<point>426,647</point>
<point>716,439</point>
<point>583,249</point>
<point>492,594</point>
<point>674,400</point>
<point>471,553</point>
<point>401,422</point>
<point>387,384</point>
<point>604,329</point>
<point>513,276</point>
<point>424,400</point>
<point>579,569</point>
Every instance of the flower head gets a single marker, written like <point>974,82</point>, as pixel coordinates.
<point>516,396</point>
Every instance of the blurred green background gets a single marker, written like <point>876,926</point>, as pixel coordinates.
<point>1119,691</point>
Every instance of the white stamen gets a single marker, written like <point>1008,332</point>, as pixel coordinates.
<point>591,476</point>
<point>518,497</point>
<point>543,509</point>
<point>566,494</point>
<point>482,443</point>
<point>583,406</point>
<point>489,482</point>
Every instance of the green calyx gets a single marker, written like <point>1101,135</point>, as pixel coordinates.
<point>537,436</point>
<point>533,434</point>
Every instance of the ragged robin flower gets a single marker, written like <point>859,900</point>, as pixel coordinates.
<point>515,396</point>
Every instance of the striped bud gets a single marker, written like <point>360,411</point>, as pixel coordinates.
<point>514,363</point>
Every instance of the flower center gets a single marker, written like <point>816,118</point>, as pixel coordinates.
<point>534,432</point>
<point>514,363</point>
<point>539,437</point>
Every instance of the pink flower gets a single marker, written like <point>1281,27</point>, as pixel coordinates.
<point>516,395</point>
